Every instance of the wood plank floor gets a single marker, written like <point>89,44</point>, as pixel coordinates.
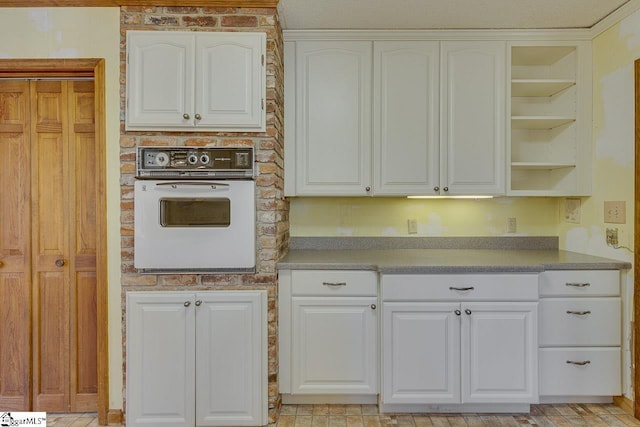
<point>367,416</point>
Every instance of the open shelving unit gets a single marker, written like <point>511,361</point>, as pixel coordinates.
<point>550,126</point>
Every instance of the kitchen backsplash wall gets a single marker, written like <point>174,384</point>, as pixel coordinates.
<point>434,217</point>
<point>272,209</point>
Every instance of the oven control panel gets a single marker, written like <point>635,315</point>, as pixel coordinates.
<point>195,162</point>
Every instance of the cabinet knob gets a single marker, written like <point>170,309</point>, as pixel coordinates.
<point>59,262</point>
<point>198,303</point>
<point>367,188</point>
<point>467,311</point>
<point>198,116</point>
<point>446,188</point>
<point>373,306</point>
<point>458,312</point>
<point>187,303</point>
<point>436,188</point>
<point>186,116</point>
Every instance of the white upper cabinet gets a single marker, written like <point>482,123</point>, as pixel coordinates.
<point>333,118</point>
<point>473,112</point>
<point>551,119</point>
<point>188,81</point>
<point>405,111</point>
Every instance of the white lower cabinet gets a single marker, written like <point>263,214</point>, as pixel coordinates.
<point>328,334</point>
<point>580,334</point>
<point>459,351</point>
<point>196,358</point>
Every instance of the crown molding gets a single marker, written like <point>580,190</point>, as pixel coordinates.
<point>118,3</point>
<point>612,19</point>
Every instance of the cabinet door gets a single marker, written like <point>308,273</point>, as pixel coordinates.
<point>231,358</point>
<point>405,111</point>
<point>333,118</point>
<point>421,353</point>
<point>499,353</point>
<point>334,345</point>
<point>160,359</point>
<point>160,83</point>
<point>230,81</point>
<point>473,117</point>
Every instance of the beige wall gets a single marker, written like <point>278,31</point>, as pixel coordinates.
<point>83,33</point>
<point>614,53</point>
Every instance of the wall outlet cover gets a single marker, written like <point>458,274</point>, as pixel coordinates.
<point>615,212</point>
<point>572,210</point>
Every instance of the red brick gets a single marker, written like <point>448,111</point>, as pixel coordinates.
<point>239,21</point>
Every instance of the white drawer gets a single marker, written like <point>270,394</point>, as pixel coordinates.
<point>600,377</point>
<point>334,283</point>
<point>580,322</point>
<point>460,287</point>
<point>570,283</point>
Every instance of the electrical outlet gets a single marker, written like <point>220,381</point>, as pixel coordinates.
<point>615,212</point>
<point>612,237</point>
<point>412,226</point>
<point>511,225</point>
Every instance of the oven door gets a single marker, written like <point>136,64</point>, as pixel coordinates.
<point>194,226</point>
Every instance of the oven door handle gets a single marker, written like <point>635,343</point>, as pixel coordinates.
<point>176,184</point>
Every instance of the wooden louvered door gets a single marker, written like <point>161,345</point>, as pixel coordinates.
<point>62,224</point>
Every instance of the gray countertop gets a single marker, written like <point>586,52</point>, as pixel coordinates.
<point>463,260</point>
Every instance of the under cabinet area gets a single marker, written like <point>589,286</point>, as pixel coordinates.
<point>459,340</point>
<point>210,81</point>
<point>196,358</point>
<point>328,336</point>
<point>550,119</point>
<point>580,335</point>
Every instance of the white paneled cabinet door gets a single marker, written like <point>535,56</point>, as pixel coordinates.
<point>473,116</point>
<point>229,80</point>
<point>231,379</point>
<point>160,79</point>
<point>160,356</point>
<point>499,357</point>
<point>421,355</point>
<point>334,345</point>
<point>405,110</point>
<point>333,117</point>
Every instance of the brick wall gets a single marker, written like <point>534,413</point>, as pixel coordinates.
<point>272,210</point>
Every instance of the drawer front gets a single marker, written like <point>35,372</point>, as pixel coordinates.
<point>334,283</point>
<point>600,377</point>
<point>571,283</point>
<point>580,322</point>
<point>460,287</point>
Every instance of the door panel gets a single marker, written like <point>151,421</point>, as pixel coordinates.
<point>15,244</point>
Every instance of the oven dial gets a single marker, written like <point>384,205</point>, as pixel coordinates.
<point>162,159</point>
<point>204,159</point>
<point>192,159</point>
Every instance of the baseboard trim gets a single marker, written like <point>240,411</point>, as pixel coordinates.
<point>114,416</point>
<point>624,403</point>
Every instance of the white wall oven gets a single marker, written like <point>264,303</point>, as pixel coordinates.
<point>194,210</point>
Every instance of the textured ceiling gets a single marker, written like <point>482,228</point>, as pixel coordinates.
<point>441,14</point>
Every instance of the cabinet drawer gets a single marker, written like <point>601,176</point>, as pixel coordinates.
<point>458,287</point>
<point>601,376</point>
<point>580,282</point>
<point>580,322</point>
<point>334,282</point>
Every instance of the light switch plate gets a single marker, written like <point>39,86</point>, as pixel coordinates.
<point>615,212</point>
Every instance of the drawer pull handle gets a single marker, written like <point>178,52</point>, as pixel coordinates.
<point>334,283</point>
<point>468,288</point>
<point>578,285</point>
<point>579,313</point>
<point>584,362</point>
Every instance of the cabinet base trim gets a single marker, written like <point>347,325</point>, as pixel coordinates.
<point>346,399</point>
<point>458,408</point>
<point>576,399</point>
